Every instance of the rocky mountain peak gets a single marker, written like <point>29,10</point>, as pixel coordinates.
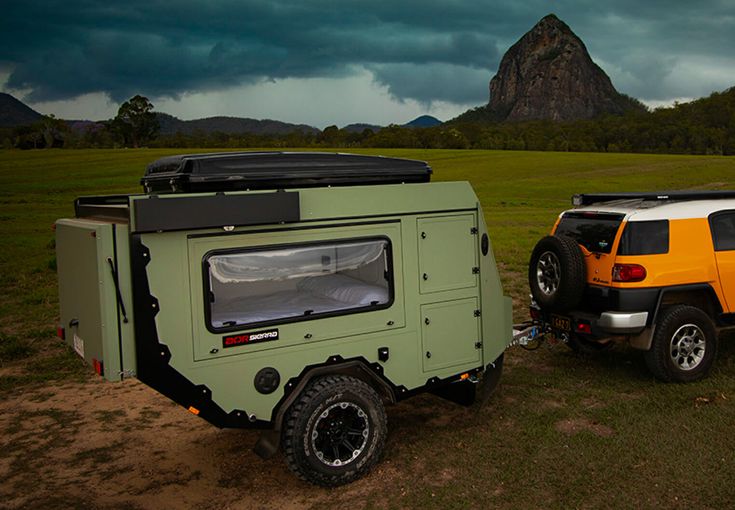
<point>15,113</point>
<point>548,74</point>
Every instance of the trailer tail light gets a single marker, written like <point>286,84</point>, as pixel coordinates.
<point>61,333</point>
<point>628,273</point>
<point>98,367</point>
<point>534,312</point>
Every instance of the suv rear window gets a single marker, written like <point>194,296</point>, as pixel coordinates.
<point>645,238</point>
<point>594,231</point>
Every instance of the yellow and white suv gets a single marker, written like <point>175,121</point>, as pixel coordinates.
<point>657,268</point>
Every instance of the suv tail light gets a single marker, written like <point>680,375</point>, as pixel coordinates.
<point>628,273</point>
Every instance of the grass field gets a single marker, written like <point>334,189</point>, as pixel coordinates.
<point>562,432</point>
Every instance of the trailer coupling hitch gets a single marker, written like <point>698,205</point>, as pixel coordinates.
<point>528,335</point>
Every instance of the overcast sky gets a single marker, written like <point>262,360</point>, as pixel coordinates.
<point>337,62</point>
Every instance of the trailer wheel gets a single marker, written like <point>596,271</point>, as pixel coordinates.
<point>556,273</point>
<point>684,345</point>
<point>335,431</point>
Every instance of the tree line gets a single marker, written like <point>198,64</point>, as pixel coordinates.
<point>135,125</point>
<point>704,126</point>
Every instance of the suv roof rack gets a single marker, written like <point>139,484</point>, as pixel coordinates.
<point>660,196</point>
<point>230,171</point>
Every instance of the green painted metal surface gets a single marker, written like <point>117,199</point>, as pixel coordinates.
<point>86,291</point>
<point>447,252</point>
<point>471,321</point>
<point>450,332</point>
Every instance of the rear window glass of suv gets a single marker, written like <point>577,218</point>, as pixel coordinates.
<point>723,230</point>
<point>645,238</point>
<point>594,231</point>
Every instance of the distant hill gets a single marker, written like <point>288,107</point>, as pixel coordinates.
<point>423,121</point>
<point>359,128</point>
<point>549,75</point>
<point>171,125</point>
<point>14,113</point>
<point>419,122</point>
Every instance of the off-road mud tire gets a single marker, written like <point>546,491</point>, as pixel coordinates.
<point>570,278</point>
<point>660,358</point>
<point>306,413</point>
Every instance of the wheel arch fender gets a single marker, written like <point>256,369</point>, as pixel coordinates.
<point>269,440</point>
<point>699,295</point>
<point>357,368</point>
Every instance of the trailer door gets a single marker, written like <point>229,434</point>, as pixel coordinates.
<point>85,253</point>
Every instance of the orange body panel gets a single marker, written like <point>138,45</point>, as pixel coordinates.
<point>690,260</point>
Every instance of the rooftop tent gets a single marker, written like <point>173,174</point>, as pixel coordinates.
<point>229,171</point>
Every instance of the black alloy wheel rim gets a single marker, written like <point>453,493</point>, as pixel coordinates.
<point>340,434</point>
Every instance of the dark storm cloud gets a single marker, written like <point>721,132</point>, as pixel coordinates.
<point>420,50</point>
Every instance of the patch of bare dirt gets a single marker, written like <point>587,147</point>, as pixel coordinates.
<point>122,445</point>
<point>572,426</point>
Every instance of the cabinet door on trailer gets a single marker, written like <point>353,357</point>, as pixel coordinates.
<point>447,253</point>
<point>448,284</point>
<point>450,331</point>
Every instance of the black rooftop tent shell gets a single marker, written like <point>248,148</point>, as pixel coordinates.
<point>231,171</point>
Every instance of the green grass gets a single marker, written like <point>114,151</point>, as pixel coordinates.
<point>563,431</point>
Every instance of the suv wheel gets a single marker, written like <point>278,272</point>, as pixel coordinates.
<point>335,431</point>
<point>556,273</point>
<point>684,345</point>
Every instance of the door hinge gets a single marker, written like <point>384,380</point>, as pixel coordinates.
<point>478,313</point>
<point>478,345</point>
<point>475,270</point>
<point>473,231</point>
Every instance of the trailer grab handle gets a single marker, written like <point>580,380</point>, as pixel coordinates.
<point>118,295</point>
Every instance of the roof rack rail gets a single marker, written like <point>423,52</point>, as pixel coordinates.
<point>671,196</point>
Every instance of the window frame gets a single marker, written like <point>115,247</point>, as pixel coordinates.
<point>207,291</point>
<point>713,234</point>
<point>593,215</point>
<point>625,230</point>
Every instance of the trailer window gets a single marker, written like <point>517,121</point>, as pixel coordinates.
<point>645,238</point>
<point>255,287</point>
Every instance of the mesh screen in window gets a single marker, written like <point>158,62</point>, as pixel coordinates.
<point>284,284</point>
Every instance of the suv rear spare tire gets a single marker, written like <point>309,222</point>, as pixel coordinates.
<point>684,345</point>
<point>556,273</point>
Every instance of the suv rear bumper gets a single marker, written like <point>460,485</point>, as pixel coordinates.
<point>622,322</point>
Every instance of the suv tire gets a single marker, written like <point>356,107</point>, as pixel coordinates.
<point>556,273</point>
<point>335,431</point>
<point>684,345</point>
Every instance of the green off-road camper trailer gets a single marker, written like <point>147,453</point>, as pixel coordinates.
<point>297,293</point>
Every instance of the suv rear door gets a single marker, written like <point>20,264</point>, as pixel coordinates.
<point>596,232</point>
<point>722,225</point>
